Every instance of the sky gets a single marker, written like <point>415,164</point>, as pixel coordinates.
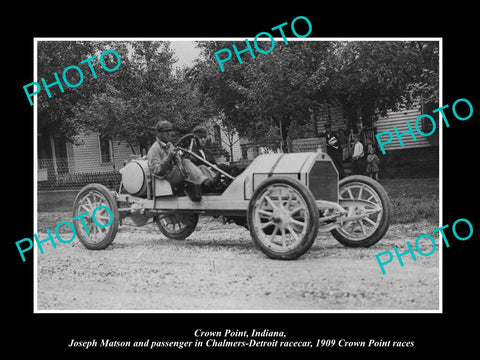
<point>185,51</point>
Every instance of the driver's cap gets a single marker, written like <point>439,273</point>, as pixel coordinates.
<point>163,125</point>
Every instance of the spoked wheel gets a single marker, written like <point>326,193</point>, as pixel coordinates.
<point>96,230</point>
<point>369,209</point>
<point>283,218</point>
<point>177,226</point>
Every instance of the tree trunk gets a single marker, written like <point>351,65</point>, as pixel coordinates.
<point>313,119</point>
<point>132,148</point>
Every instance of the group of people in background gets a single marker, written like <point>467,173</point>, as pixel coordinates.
<point>362,153</point>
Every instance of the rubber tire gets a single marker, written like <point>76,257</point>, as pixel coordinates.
<point>185,233</point>
<point>112,229</point>
<point>384,222</point>
<point>312,230</point>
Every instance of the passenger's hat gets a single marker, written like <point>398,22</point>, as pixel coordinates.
<point>200,130</point>
<point>163,125</point>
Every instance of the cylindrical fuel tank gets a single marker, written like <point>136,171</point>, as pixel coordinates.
<point>135,177</point>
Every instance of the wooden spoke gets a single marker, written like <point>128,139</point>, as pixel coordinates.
<point>274,233</point>
<point>294,211</point>
<point>362,226</point>
<point>294,234</point>
<point>280,202</point>
<point>85,207</point>
<point>271,203</point>
<point>360,192</point>
<point>289,200</point>
<point>350,194</point>
<point>265,213</point>
<point>296,222</point>
<point>284,239</point>
<point>267,224</point>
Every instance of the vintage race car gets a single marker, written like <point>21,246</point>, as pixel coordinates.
<point>284,200</point>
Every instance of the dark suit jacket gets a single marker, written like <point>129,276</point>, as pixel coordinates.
<point>337,146</point>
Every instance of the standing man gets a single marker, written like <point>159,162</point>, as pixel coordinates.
<point>357,156</point>
<point>334,149</point>
<point>165,162</point>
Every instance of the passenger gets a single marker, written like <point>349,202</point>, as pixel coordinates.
<point>198,148</point>
<point>165,162</point>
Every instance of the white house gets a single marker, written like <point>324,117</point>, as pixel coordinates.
<point>55,157</point>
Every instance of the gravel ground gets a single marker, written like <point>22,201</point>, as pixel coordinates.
<point>218,268</point>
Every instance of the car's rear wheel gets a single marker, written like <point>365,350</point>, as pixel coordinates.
<point>283,218</point>
<point>177,226</point>
<point>97,229</point>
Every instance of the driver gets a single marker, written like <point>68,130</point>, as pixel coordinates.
<point>165,162</point>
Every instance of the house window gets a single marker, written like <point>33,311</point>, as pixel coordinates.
<point>105,150</point>
<point>244,148</point>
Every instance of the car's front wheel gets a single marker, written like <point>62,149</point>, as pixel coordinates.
<point>368,206</point>
<point>283,218</point>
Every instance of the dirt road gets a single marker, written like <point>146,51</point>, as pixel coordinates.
<point>218,268</point>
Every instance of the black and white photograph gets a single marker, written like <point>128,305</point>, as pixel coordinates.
<point>191,181</point>
<point>210,177</point>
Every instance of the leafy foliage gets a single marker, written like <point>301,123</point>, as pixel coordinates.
<point>135,95</point>
<point>57,114</point>
<point>123,105</point>
<point>273,94</point>
<point>288,85</point>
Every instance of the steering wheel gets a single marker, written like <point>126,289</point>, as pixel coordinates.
<point>186,152</point>
<point>184,138</point>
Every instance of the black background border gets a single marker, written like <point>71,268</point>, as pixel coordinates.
<point>432,333</point>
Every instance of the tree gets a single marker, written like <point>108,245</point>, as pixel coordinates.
<point>56,115</point>
<point>123,105</point>
<point>132,97</point>
<point>370,78</point>
<point>294,81</point>
<point>267,91</point>
<point>287,86</point>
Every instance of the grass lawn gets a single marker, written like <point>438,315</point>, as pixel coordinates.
<point>412,200</point>
<point>62,201</point>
